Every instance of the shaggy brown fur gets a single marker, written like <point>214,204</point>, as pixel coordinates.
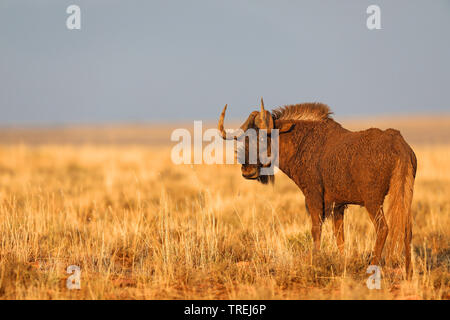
<point>304,111</point>
<point>335,167</point>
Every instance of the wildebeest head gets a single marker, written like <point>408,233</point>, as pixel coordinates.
<point>256,131</point>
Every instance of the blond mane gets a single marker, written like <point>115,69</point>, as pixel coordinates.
<point>304,111</point>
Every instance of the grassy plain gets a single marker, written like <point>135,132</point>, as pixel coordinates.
<point>141,227</point>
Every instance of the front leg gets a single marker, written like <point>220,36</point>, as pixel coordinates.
<point>338,227</point>
<point>314,204</point>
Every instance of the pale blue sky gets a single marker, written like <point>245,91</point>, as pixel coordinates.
<point>183,60</point>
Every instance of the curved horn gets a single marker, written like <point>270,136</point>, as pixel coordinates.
<point>263,115</point>
<point>222,117</point>
<point>244,126</point>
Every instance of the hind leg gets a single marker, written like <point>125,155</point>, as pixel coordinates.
<point>381,228</point>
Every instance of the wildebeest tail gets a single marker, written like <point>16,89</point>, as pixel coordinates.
<point>399,211</point>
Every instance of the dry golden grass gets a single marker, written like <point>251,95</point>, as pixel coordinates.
<point>142,228</point>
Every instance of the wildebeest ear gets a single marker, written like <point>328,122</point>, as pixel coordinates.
<point>284,126</point>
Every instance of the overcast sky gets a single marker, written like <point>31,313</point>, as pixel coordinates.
<point>183,60</point>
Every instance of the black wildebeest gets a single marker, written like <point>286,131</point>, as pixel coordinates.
<point>335,167</point>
